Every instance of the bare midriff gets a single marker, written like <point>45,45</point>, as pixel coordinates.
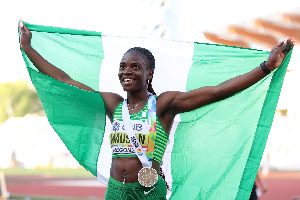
<point>128,168</point>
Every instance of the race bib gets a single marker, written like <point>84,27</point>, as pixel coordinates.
<point>119,140</point>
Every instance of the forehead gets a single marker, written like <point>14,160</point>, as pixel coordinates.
<point>134,56</point>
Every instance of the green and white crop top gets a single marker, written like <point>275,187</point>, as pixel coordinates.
<point>153,141</point>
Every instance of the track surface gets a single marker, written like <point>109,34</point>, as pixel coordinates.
<point>62,187</point>
<point>281,186</point>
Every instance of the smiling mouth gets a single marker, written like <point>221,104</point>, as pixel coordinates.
<point>127,80</point>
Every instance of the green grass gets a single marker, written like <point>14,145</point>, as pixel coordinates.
<point>60,172</point>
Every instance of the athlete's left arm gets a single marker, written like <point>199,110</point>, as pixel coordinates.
<point>179,102</point>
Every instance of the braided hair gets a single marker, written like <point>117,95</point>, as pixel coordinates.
<point>151,63</point>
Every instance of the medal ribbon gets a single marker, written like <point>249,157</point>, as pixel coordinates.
<point>144,156</point>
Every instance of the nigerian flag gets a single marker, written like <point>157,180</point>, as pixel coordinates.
<point>213,153</point>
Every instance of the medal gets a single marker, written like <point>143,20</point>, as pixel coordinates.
<point>147,176</point>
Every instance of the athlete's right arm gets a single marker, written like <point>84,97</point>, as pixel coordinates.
<point>111,99</point>
<point>43,65</point>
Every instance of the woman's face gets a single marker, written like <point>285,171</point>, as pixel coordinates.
<point>134,72</point>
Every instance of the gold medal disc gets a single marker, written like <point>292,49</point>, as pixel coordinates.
<point>147,176</point>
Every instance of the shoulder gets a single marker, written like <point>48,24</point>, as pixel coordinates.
<point>164,101</point>
<point>112,100</point>
<point>168,95</point>
<point>110,97</point>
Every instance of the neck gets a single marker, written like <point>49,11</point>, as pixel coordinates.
<point>136,97</point>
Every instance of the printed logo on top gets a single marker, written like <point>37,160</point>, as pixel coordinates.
<point>139,151</point>
<point>119,138</point>
<point>116,126</point>
<point>137,126</point>
<point>129,150</point>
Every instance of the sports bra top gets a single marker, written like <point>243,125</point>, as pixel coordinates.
<point>120,143</point>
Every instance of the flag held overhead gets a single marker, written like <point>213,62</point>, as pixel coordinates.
<point>214,152</point>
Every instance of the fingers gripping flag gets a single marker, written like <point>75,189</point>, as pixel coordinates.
<point>214,151</point>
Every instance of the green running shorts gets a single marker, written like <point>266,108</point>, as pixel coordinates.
<point>135,191</point>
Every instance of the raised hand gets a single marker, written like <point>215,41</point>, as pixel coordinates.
<point>26,35</point>
<point>277,53</point>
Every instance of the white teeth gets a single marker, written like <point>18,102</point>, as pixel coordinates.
<point>127,79</point>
